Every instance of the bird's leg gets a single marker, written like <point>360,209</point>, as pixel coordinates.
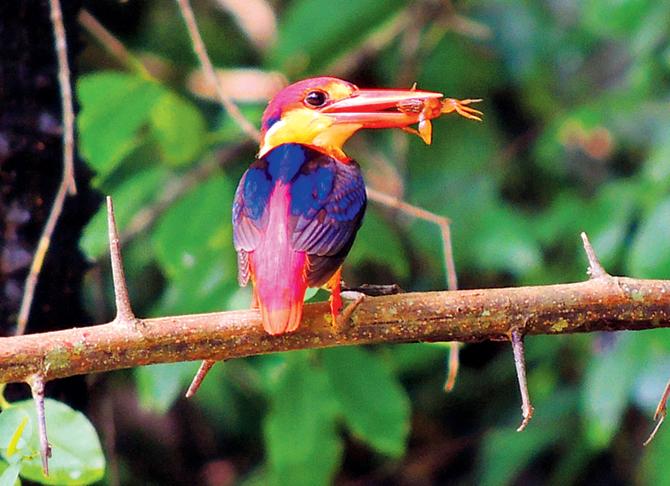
<point>340,316</point>
<point>335,300</point>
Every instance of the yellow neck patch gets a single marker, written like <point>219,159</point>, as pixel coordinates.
<point>303,125</point>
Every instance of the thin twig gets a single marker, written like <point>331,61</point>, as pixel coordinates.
<point>111,43</point>
<point>520,363</point>
<point>380,38</point>
<point>595,269</point>
<point>38,259</point>
<point>124,311</point>
<point>67,184</point>
<point>420,213</point>
<point>36,383</point>
<point>178,187</point>
<point>450,268</point>
<point>201,51</point>
<point>661,412</point>
<point>108,431</point>
<point>452,284</point>
<point>66,95</point>
<point>453,365</point>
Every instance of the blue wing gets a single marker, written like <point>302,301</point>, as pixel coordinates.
<point>328,204</point>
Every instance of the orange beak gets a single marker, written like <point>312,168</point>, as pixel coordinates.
<point>385,108</point>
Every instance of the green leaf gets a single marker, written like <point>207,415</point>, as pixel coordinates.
<point>313,32</point>
<point>608,219</point>
<point>129,197</point>
<point>374,404</point>
<point>9,474</point>
<point>193,245</point>
<point>76,454</point>
<point>159,385</point>
<point>114,106</point>
<point>507,242</point>
<point>15,431</point>
<point>200,220</point>
<point>375,235</point>
<point>179,128</point>
<point>303,447</point>
<point>614,18</point>
<point>657,166</point>
<point>650,252</point>
<point>505,452</point>
<point>608,384</point>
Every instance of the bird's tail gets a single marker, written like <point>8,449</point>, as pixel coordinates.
<point>280,300</point>
<point>278,270</point>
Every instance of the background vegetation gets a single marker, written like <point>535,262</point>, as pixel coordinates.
<point>576,137</point>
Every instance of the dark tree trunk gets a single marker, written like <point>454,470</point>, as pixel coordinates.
<point>31,165</point>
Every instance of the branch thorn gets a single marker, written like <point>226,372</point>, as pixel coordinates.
<point>660,414</point>
<point>520,362</point>
<point>453,365</point>
<point>343,319</point>
<point>124,311</point>
<point>36,383</point>
<point>595,269</point>
<point>205,366</point>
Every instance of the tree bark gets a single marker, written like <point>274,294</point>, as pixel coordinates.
<point>601,304</point>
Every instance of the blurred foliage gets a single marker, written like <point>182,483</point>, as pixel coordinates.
<point>575,138</point>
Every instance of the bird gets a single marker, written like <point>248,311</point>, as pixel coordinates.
<point>299,205</point>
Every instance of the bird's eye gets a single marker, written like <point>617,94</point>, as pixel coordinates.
<point>316,98</point>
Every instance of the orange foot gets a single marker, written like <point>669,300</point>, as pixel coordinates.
<point>335,300</point>
<point>339,314</point>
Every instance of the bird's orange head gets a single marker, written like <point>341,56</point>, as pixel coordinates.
<point>325,112</point>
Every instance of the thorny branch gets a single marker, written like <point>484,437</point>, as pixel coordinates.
<point>605,304</point>
<point>611,303</point>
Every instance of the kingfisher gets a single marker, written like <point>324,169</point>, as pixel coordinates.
<point>298,206</point>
